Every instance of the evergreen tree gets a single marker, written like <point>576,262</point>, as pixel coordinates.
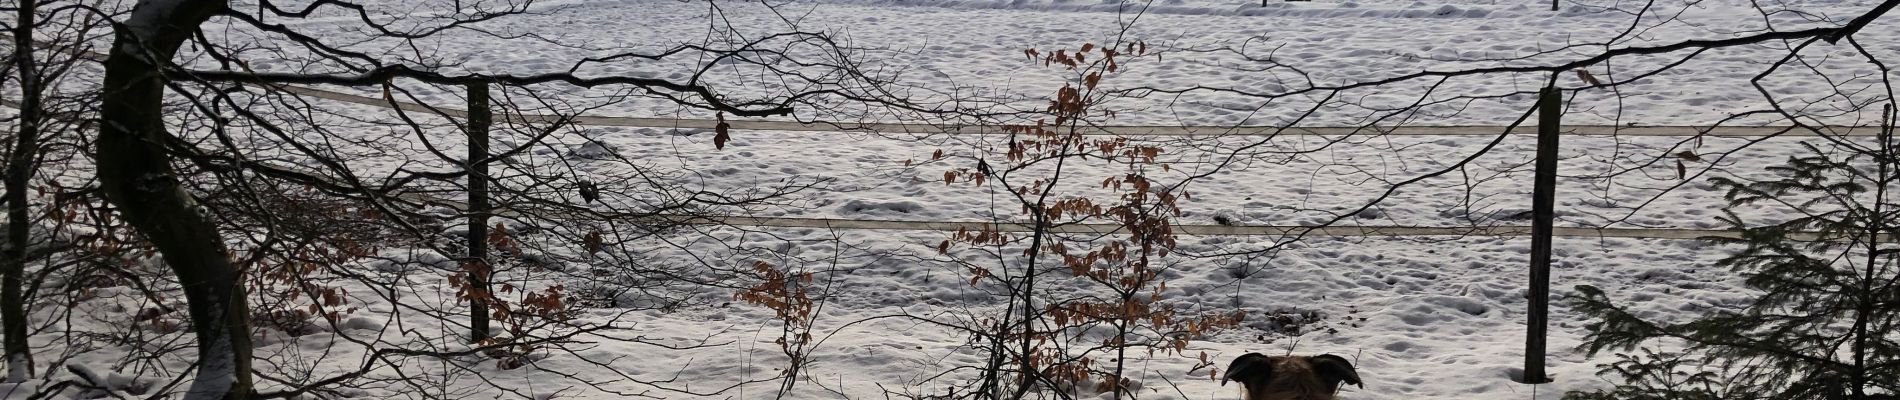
<point>1824,325</point>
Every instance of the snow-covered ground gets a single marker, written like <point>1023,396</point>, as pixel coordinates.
<point>934,45</point>
<point>1439,318</point>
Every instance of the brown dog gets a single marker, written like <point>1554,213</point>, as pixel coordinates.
<point>1291,377</point>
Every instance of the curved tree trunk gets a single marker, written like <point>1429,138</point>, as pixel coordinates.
<point>136,172</point>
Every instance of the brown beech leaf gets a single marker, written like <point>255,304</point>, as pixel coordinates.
<point>1587,78</point>
<point>722,132</point>
<point>593,242</point>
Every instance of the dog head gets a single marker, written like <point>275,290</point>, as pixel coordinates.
<point>1291,377</point>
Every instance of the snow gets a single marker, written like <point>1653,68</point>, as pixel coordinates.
<point>16,368</point>
<point>1419,317</point>
<point>217,371</point>
<point>1334,48</point>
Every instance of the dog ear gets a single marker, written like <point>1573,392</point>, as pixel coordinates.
<point>1335,369</point>
<point>1247,367</point>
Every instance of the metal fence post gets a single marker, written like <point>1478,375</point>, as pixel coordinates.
<point>479,118</point>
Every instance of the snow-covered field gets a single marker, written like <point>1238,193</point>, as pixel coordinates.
<point>1436,318</point>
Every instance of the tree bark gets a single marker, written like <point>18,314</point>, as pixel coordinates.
<point>20,167</point>
<point>136,174</point>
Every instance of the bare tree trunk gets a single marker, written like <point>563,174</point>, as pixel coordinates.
<point>136,173</point>
<point>20,166</point>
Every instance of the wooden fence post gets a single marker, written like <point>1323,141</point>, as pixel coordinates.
<point>479,118</point>
<point>1543,199</point>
